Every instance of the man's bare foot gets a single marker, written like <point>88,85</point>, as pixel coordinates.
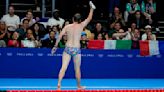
<point>58,87</point>
<point>81,87</point>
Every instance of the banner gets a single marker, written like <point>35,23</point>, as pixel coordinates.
<point>39,63</point>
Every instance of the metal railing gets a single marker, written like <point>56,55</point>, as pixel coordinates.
<point>43,7</point>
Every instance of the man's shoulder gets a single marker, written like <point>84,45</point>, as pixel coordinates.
<point>51,19</point>
<point>5,16</point>
<point>61,18</point>
<point>16,16</point>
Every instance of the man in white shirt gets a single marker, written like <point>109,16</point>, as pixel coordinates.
<point>56,20</point>
<point>148,34</point>
<point>29,16</point>
<point>12,21</point>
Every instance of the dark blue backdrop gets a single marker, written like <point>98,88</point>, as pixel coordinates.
<point>39,63</point>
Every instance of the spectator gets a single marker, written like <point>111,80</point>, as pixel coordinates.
<point>12,21</point>
<point>120,35</point>
<point>84,40</point>
<point>132,33</point>
<point>132,27</point>
<point>30,40</point>
<point>22,30</point>
<point>98,29</point>
<point>56,20</point>
<point>38,31</point>
<point>136,35</point>
<point>56,29</point>
<point>107,37</point>
<point>131,8</point>
<point>112,4</point>
<point>29,16</point>
<point>88,33</point>
<point>149,10</point>
<point>14,41</point>
<point>2,43</point>
<point>116,28</point>
<point>139,20</point>
<point>49,43</point>
<point>148,34</point>
<point>100,36</point>
<point>116,17</point>
<point>3,31</point>
<point>63,41</point>
<point>135,39</point>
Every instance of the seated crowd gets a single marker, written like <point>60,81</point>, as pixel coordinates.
<point>135,24</point>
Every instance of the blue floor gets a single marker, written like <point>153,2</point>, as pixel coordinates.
<point>50,84</point>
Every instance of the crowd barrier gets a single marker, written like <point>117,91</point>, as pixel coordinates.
<point>40,63</point>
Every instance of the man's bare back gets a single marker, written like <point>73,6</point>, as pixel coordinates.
<point>73,32</point>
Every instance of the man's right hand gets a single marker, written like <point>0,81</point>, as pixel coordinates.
<point>92,5</point>
<point>53,50</point>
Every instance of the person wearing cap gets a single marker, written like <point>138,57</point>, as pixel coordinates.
<point>56,20</point>
<point>148,34</point>
<point>72,48</point>
<point>83,40</point>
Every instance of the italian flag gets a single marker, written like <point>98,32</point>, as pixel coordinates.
<point>149,48</point>
<point>118,44</point>
<point>110,44</point>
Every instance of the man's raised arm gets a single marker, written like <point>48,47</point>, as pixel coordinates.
<point>89,18</point>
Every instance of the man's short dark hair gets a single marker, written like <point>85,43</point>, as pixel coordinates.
<point>25,20</point>
<point>77,18</point>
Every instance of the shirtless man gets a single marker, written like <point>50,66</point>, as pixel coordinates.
<point>72,49</point>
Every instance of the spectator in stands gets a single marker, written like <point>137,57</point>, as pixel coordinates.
<point>56,20</point>
<point>148,34</point>
<point>98,29</point>
<point>131,8</point>
<point>2,43</point>
<point>133,33</point>
<point>56,29</point>
<point>100,37</point>
<point>116,28</point>
<point>149,10</point>
<point>132,27</point>
<point>84,40</point>
<point>12,21</point>
<point>22,30</point>
<point>120,35</point>
<point>63,41</point>
<point>14,41</point>
<point>112,4</point>
<point>116,17</point>
<point>30,40</point>
<point>88,33</point>
<point>139,20</point>
<point>3,32</point>
<point>135,39</point>
<point>29,16</point>
<point>49,43</point>
<point>107,37</point>
<point>38,31</point>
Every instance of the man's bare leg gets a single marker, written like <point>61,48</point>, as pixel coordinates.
<point>77,64</point>
<point>65,61</point>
